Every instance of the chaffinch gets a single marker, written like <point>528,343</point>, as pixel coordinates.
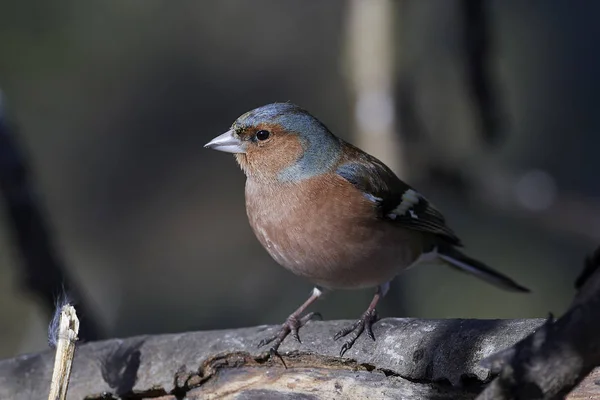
<point>331,213</point>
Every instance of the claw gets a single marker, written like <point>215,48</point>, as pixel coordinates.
<point>365,322</point>
<point>274,353</point>
<point>291,325</point>
<point>295,334</point>
<point>348,329</point>
<point>369,329</point>
<point>344,349</point>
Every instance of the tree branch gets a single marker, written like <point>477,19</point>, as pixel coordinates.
<point>559,355</point>
<point>411,359</point>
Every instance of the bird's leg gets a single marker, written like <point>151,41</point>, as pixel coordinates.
<point>364,322</point>
<point>293,323</point>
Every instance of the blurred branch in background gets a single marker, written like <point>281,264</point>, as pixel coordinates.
<point>371,48</point>
<point>533,194</point>
<point>42,271</point>
<point>479,61</point>
<point>476,62</point>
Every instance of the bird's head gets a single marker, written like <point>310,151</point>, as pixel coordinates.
<point>279,142</point>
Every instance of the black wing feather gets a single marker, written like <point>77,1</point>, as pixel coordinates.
<point>386,190</point>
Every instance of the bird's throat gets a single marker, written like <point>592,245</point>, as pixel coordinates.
<point>242,161</point>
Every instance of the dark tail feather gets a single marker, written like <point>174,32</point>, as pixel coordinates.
<point>456,259</point>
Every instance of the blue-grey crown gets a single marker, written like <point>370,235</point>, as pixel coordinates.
<point>321,147</point>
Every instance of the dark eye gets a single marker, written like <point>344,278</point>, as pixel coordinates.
<point>262,135</point>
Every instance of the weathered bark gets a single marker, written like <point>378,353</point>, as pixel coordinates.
<point>411,359</point>
<point>559,355</point>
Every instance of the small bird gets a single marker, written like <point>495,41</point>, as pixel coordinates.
<point>329,212</point>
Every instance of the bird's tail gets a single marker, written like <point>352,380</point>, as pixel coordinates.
<point>457,259</point>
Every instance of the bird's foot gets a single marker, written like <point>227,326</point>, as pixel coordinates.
<point>291,325</point>
<point>365,322</point>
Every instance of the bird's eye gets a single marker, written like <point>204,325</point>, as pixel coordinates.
<point>262,135</point>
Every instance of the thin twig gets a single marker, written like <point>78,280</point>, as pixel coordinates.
<point>68,329</point>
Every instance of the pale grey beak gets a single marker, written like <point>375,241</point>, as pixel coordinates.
<point>227,143</point>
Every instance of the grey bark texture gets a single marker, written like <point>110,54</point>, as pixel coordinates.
<point>411,359</point>
<point>559,355</point>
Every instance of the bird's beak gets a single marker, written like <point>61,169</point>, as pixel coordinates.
<point>226,142</point>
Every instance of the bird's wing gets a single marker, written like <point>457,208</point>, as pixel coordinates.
<point>394,200</point>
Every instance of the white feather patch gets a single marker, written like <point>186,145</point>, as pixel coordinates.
<point>409,199</point>
<point>373,199</point>
<point>317,292</point>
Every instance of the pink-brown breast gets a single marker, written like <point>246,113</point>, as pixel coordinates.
<point>326,231</point>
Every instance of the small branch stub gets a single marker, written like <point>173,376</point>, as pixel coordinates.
<point>68,329</point>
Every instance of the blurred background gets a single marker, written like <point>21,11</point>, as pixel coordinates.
<point>490,108</point>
